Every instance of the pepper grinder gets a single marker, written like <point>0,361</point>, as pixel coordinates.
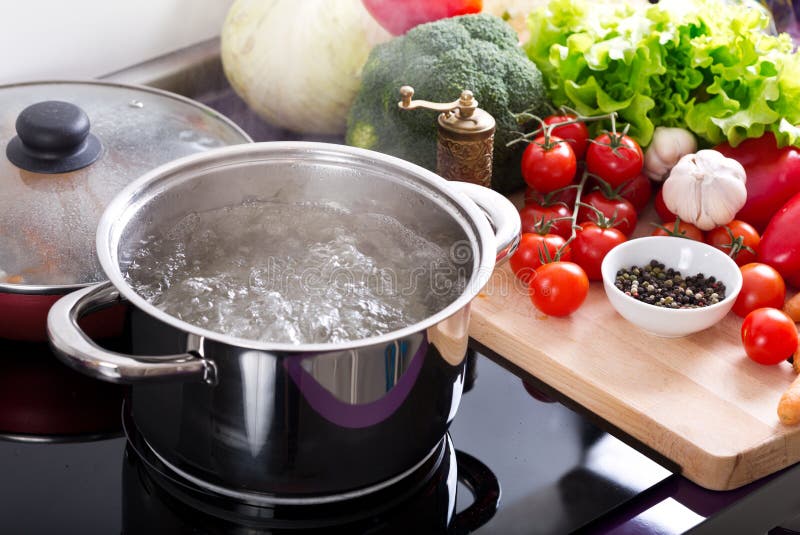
<point>466,137</point>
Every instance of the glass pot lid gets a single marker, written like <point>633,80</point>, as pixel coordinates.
<point>66,149</point>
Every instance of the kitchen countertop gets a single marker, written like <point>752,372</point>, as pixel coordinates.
<point>38,489</point>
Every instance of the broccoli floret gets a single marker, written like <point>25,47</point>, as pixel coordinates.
<point>440,59</point>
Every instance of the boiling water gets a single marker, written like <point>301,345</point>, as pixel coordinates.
<point>299,273</point>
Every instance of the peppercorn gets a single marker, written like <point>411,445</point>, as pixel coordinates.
<point>658,285</point>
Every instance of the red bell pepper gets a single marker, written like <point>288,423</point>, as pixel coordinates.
<point>780,244</point>
<point>399,16</point>
<point>773,176</point>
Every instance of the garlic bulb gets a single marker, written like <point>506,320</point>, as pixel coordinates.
<point>706,189</point>
<point>668,146</point>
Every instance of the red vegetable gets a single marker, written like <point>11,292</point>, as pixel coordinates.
<point>531,252</point>
<point>679,229</point>
<point>773,176</point>
<point>638,191</point>
<point>548,164</point>
<point>780,243</point>
<point>769,336</point>
<point>559,288</point>
<point>399,16</point>
<point>735,239</point>
<point>591,245</point>
<point>576,134</point>
<point>620,209</point>
<point>661,208</point>
<point>616,158</point>
<point>533,213</point>
<point>762,286</point>
<point>565,196</point>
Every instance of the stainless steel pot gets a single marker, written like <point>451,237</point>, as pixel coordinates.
<point>279,422</point>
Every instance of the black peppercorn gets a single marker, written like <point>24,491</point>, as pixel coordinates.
<point>666,287</point>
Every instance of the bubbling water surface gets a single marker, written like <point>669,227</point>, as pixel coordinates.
<point>295,273</point>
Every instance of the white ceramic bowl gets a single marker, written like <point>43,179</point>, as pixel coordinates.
<point>687,256</point>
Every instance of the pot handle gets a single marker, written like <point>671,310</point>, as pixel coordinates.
<point>501,213</point>
<point>74,348</point>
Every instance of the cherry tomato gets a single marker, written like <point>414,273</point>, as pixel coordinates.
<point>769,336</point>
<point>735,235</point>
<point>548,166</point>
<point>576,134</point>
<point>682,230</point>
<point>762,286</point>
<point>565,196</point>
<point>590,246</point>
<point>614,158</point>
<point>661,208</point>
<point>621,210</point>
<point>532,214</point>
<point>638,191</point>
<point>532,249</point>
<point>559,288</point>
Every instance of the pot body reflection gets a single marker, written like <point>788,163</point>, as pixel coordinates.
<point>303,425</point>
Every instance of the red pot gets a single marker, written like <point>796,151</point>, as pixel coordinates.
<point>23,316</point>
<point>42,400</point>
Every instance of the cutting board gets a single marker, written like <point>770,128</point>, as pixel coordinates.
<point>697,400</point>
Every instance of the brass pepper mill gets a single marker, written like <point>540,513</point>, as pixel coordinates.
<point>466,137</point>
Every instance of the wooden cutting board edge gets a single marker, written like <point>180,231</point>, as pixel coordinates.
<point>775,447</point>
<point>708,469</point>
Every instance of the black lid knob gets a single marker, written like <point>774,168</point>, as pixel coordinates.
<point>53,137</point>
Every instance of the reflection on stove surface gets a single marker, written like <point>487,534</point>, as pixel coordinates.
<point>156,501</point>
<point>559,472</point>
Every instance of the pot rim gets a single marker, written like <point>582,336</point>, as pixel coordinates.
<point>61,289</point>
<point>473,221</point>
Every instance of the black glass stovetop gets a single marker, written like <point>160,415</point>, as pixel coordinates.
<point>65,467</point>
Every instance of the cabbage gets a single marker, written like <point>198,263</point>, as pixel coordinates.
<point>705,65</point>
<point>298,63</point>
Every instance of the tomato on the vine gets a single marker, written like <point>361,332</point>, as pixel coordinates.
<point>681,229</point>
<point>616,158</point>
<point>576,134</point>
<point>531,251</point>
<point>620,210</point>
<point>762,286</point>
<point>548,164</point>
<point>661,207</point>
<point>533,215</point>
<point>638,191</point>
<point>565,196</point>
<point>736,238</point>
<point>559,288</point>
<point>590,246</point>
<point>769,336</point>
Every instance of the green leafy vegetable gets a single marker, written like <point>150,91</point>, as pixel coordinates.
<point>705,65</point>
